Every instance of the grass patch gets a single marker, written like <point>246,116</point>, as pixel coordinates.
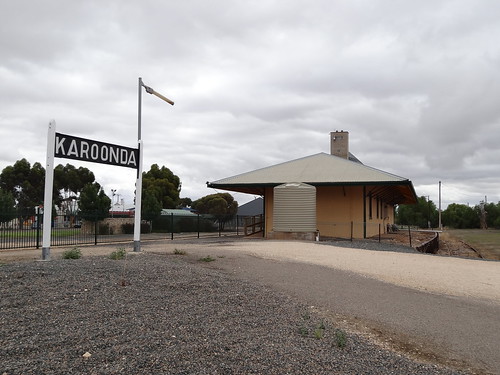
<point>207,259</point>
<point>487,242</point>
<point>121,253</point>
<point>340,338</point>
<point>31,233</point>
<point>74,253</point>
<point>180,252</point>
<point>320,330</point>
<point>304,331</point>
<point>318,333</point>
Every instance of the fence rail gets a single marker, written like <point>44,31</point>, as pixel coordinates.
<point>25,230</point>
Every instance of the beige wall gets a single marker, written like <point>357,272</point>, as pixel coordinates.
<point>115,224</point>
<point>337,207</point>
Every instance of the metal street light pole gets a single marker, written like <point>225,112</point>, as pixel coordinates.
<point>138,184</point>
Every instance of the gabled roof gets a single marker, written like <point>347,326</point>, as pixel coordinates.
<point>321,170</point>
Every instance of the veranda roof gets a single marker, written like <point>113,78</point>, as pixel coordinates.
<point>322,170</point>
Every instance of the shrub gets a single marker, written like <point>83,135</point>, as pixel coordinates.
<point>128,228</point>
<point>207,259</point>
<point>74,253</point>
<point>180,252</point>
<point>105,229</point>
<point>145,228</point>
<point>118,254</point>
<point>304,331</point>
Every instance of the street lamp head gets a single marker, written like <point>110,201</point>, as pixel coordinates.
<point>150,90</point>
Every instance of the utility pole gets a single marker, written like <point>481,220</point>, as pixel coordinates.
<point>482,208</point>
<point>429,211</point>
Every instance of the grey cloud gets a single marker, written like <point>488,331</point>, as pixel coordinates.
<point>415,83</point>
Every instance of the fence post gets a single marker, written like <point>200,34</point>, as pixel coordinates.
<point>352,228</point>
<point>95,231</point>
<point>237,233</point>
<point>38,227</point>
<point>379,232</point>
<point>198,225</point>
<point>409,233</point>
<point>172,226</point>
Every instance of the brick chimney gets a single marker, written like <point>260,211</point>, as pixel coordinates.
<point>339,144</point>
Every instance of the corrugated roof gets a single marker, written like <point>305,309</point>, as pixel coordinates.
<point>320,170</point>
<point>176,212</point>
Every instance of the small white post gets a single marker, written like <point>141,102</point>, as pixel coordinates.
<point>49,183</point>
<point>138,196</point>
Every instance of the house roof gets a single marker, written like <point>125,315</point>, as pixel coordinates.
<point>322,170</point>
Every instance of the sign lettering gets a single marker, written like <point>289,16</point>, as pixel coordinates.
<point>69,147</point>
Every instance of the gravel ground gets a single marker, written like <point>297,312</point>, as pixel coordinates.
<point>168,314</point>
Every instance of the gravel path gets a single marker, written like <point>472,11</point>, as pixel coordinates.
<point>168,314</point>
<point>371,245</point>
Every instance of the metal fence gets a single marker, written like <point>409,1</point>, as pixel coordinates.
<point>25,230</point>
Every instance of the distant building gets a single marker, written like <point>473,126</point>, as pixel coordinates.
<point>253,208</point>
<point>177,212</point>
<point>334,194</point>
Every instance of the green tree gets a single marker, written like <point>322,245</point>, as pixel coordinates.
<point>419,214</point>
<point>25,183</point>
<point>185,202</point>
<point>7,207</point>
<point>460,216</point>
<point>221,206</point>
<point>492,215</point>
<point>163,185</point>
<point>150,207</point>
<point>93,203</point>
<point>69,182</point>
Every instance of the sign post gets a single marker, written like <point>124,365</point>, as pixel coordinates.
<point>70,147</point>
<point>49,183</point>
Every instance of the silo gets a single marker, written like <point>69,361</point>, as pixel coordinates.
<point>294,212</point>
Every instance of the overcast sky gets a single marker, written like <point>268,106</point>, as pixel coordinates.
<point>256,83</point>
